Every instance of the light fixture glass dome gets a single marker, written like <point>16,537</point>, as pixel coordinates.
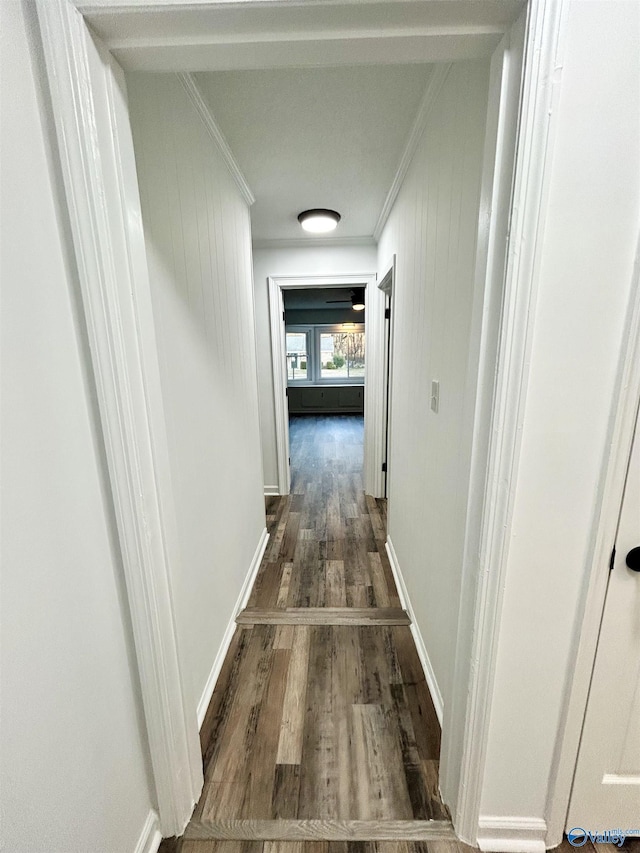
<point>319,220</point>
<point>357,299</point>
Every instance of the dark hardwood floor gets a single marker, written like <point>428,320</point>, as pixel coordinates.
<point>322,736</point>
<point>321,731</point>
<point>207,846</point>
<point>326,546</point>
<point>319,723</point>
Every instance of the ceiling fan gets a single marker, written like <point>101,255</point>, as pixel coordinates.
<point>356,299</point>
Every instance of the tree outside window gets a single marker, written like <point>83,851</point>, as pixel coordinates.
<point>324,354</point>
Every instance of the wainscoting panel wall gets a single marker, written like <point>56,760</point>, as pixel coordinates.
<point>328,399</point>
<point>432,230</point>
<point>198,235</point>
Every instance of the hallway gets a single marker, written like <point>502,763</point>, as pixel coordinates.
<point>321,726</point>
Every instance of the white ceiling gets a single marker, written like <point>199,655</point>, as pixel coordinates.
<point>326,137</point>
<point>225,35</point>
<point>315,97</point>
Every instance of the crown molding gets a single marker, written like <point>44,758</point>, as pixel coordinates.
<point>312,242</point>
<point>195,95</point>
<point>432,91</point>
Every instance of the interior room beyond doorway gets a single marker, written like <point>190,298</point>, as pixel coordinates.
<point>325,350</point>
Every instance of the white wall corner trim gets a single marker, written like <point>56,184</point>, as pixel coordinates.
<point>512,834</point>
<point>434,86</point>
<point>98,168</point>
<point>241,603</point>
<point>150,837</point>
<point>193,91</point>
<point>405,602</point>
<point>271,490</point>
<point>544,45</point>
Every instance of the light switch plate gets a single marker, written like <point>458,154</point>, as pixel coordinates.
<point>435,395</point>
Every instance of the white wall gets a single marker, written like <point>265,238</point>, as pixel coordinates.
<point>323,260</point>
<point>74,755</point>
<point>584,282</point>
<point>432,229</point>
<point>198,235</point>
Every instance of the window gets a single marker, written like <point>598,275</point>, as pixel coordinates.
<point>342,355</point>
<point>326,354</point>
<point>297,356</point>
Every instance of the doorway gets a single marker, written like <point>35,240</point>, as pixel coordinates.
<point>341,374</point>
<point>386,286</point>
<point>325,351</point>
<point>326,356</point>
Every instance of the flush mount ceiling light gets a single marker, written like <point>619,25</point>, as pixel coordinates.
<point>319,220</point>
<point>357,299</point>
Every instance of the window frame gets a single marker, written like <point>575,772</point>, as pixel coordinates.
<point>314,357</point>
<point>307,331</point>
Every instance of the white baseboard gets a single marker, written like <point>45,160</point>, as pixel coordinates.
<point>271,490</point>
<point>512,834</point>
<point>150,837</point>
<point>247,586</point>
<point>397,575</point>
<point>241,603</point>
<point>210,686</point>
<point>405,601</point>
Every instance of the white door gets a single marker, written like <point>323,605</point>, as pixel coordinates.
<point>606,791</point>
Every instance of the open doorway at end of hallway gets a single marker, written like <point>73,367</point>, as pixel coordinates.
<point>326,360</point>
<point>326,344</point>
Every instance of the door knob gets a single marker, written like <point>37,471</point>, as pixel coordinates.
<point>633,559</point>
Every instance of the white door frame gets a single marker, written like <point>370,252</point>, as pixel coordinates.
<point>374,318</point>
<point>98,167</point>
<point>502,322</point>
<point>386,285</point>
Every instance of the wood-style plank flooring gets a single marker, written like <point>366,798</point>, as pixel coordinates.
<point>326,546</point>
<point>442,846</point>
<point>321,735</point>
<point>319,723</point>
